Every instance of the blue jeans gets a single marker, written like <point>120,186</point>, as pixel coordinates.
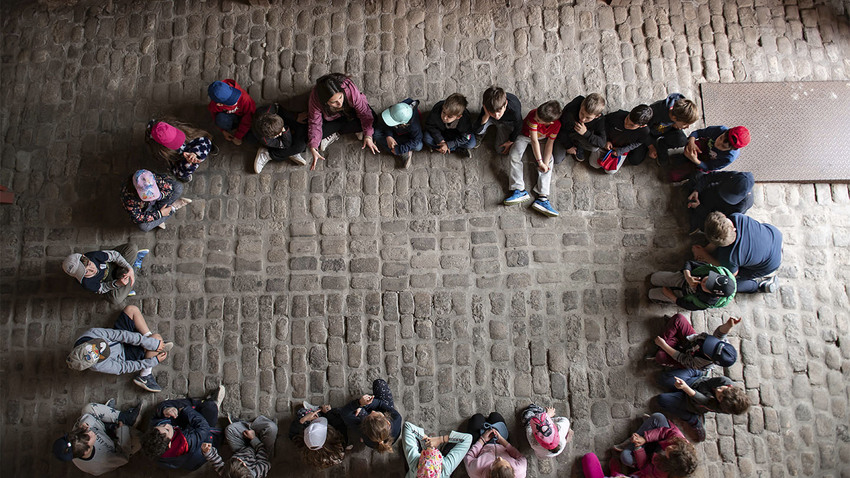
<point>667,378</point>
<point>656,420</point>
<point>676,403</point>
<point>460,141</point>
<point>380,139</point>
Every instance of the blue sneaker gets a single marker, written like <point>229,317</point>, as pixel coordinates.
<point>139,256</point>
<point>518,196</point>
<point>543,206</point>
<point>148,383</point>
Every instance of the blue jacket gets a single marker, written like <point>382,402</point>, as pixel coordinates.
<point>411,132</point>
<point>195,429</point>
<point>711,158</point>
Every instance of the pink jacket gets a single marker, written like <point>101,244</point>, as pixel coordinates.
<point>479,458</point>
<point>316,113</point>
<point>647,468</point>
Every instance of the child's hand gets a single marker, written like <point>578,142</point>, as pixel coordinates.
<point>693,200</point>
<point>391,143</point>
<point>506,146</point>
<point>227,135</point>
<point>237,141</point>
<point>170,412</point>
<point>249,434</point>
<point>368,143</point>
<point>206,447</point>
<point>316,158</point>
<point>659,341</point>
<point>679,383</point>
<point>191,157</point>
<point>572,151</point>
<point>733,321</point>
<point>609,146</point>
<point>443,148</point>
<point>651,152</point>
<point>638,440</point>
<point>692,150</point>
<point>366,400</point>
<point>325,408</point>
<point>580,128</point>
<point>669,294</point>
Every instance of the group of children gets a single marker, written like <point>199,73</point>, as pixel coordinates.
<point>741,256</point>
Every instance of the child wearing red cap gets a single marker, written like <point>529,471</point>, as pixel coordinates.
<point>182,145</point>
<point>710,149</point>
<point>231,108</point>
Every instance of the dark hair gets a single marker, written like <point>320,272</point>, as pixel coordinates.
<point>154,443</point>
<point>235,468</point>
<point>681,460</point>
<point>329,85</point>
<point>455,104</point>
<point>332,452</point>
<point>269,124</point>
<point>549,111</point>
<point>735,401</point>
<point>120,272</point>
<point>641,114</point>
<point>494,99</point>
<point>79,438</point>
<point>168,154</point>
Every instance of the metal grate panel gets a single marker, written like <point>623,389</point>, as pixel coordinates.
<point>800,131</point>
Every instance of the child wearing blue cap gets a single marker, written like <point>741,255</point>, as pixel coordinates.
<point>231,108</point>
<point>399,130</point>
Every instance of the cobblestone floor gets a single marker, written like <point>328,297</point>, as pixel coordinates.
<point>296,285</point>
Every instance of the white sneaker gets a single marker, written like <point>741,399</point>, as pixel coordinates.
<point>161,225</point>
<point>261,159</point>
<point>328,141</point>
<point>181,203</point>
<point>298,159</point>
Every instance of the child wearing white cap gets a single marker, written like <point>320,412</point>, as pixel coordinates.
<point>107,272</point>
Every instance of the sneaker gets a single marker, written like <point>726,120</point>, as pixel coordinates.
<point>187,179</point>
<point>181,203</point>
<point>217,396</point>
<point>359,136</point>
<point>131,294</point>
<point>166,347</point>
<point>139,256</point>
<point>518,196</point>
<point>543,206</point>
<point>148,383</point>
<point>579,154</point>
<point>478,139</point>
<point>328,141</point>
<point>308,406</point>
<point>261,159</point>
<point>699,428</point>
<point>465,152</point>
<point>161,225</point>
<point>769,284</point>
<point>408,159</point>
<point>110,403</point>
<point>298,159</point>
<point>130,417</point>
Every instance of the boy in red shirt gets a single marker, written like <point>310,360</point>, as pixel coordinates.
<point>231,108</point>
<point>540,123</point>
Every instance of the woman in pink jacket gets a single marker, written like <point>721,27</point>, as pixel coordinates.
<point>337,107</point>
<point>491,456</point>
<point>657,450</point>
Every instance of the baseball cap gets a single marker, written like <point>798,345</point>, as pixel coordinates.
<point>74,267</point>
<point>62,449</point>
<point>399,113</point>
<point>167,135</point>
<point>720,284</point>
<point>316,433</point>
<point>146,187</point>
<point>719,351</point>
<point>87,354</point>
<point>739,137</point>
<point>221,92</point>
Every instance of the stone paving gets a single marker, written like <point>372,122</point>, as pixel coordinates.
<point>294,284</point>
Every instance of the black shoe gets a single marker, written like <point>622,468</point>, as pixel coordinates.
<point>130,416</point>
<point>465,152</point>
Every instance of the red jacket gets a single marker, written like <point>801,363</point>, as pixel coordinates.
<point>244,107</point>
<point>646,466</point>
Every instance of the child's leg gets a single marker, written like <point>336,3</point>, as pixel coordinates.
<point>667,279</point>
<point>429,140</point>
<point>411,444</point>
<point>266,430</point>
<point>667,378</point>
<point>517,151</point>
<point>677,329</point>
<point>676,403</point>
<point>102,412</point>
<point>465,142</point>
<point>381,391</point>
<point>233,435</point>
<point>591,466</point>
<point>227,121</point>
<point>544,180</point>
<point>476,423</point>
<point>209,409</point>
<point>637,155</point>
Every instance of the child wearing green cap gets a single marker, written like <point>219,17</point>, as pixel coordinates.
<point>399,130</point>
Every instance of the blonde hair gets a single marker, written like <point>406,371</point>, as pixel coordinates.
<point>455,104</point>
<point>165,153</point>
<point>593,104</point>
<point>685,111</point>
<point>378,429</point>
<point>719,229</point>
<point>330,454</point>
